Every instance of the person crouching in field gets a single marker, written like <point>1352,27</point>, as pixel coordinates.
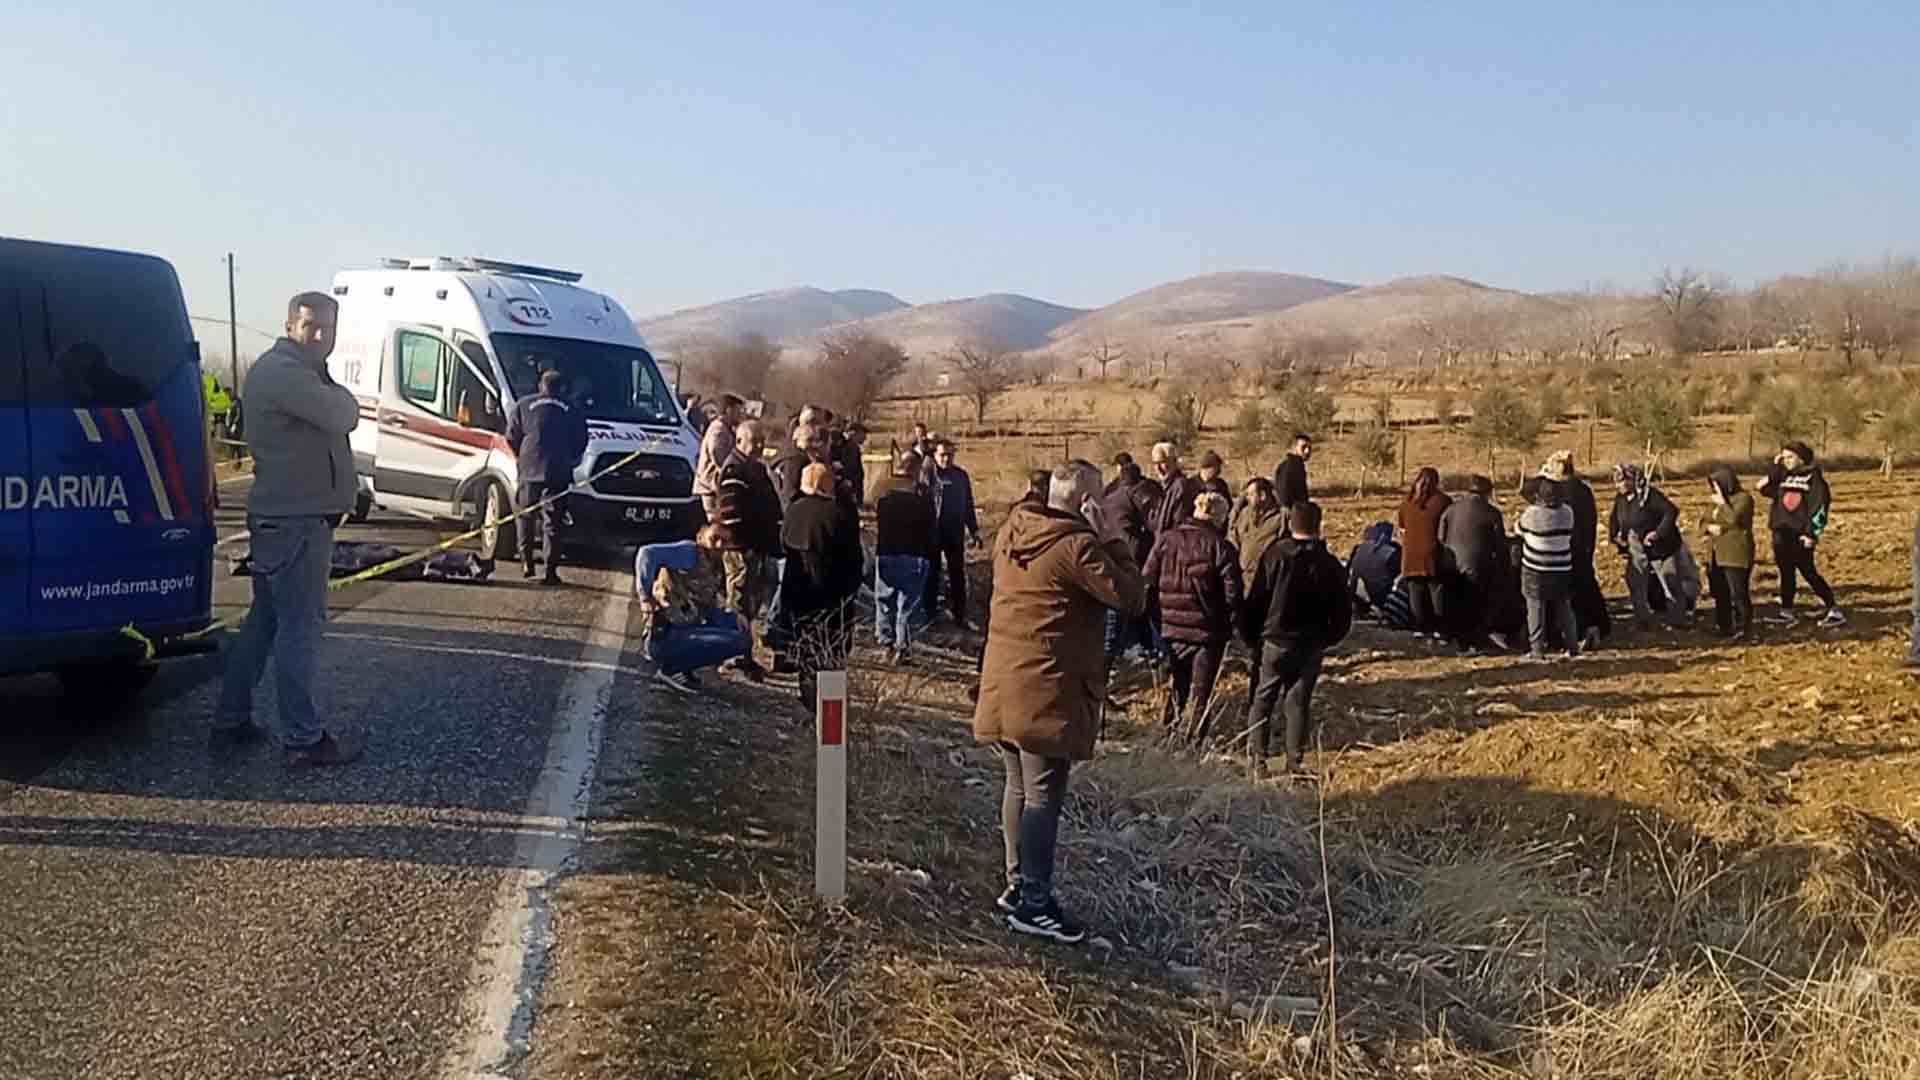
<point>1057,569</point>
<point>686,626</point>
<point>1729,526</point>
<point>1546,571</point>
<point>1801,505</point>
<point>1297,607</point>
<point>1193,574</point>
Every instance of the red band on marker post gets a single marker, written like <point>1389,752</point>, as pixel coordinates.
<point>833,720</point>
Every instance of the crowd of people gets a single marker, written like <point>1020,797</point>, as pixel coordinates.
<point>1166,568</point>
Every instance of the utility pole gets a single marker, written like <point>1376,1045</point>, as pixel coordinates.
<point>233,333</point>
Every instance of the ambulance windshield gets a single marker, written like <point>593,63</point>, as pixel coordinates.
<point>611,382</point>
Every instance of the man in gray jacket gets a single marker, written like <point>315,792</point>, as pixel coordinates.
<point>298,420</point>
<point>1474,534</point>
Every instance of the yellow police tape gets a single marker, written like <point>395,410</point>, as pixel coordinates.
<point>150,649</point>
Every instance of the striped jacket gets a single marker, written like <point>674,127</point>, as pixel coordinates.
<point>1546,533</point>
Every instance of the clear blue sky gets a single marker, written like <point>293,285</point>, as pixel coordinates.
<point>690,153</point>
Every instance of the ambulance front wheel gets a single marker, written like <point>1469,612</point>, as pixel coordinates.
<point>497,535</point>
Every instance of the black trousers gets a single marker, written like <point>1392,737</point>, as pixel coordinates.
<point>1732,597</point>
<point>1427,596</point>
<point>1194,669</point>
<point>1288,673</point>
<point>1796,561</point>
<point>545,522</point>
<point>952,551</point>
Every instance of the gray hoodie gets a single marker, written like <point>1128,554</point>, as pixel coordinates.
<point>298,419</point>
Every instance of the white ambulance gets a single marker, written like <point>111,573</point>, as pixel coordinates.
<point>438,350</point>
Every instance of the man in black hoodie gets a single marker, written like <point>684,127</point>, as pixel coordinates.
<point>1801,503</point>
<point>1297,607</point>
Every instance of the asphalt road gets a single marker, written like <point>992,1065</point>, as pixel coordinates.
<point>168,913</point>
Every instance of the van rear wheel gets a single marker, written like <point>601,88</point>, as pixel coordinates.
<point>497,535</point>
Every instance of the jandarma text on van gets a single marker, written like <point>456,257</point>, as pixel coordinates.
<point>100,492</point>
<point>95,590</point>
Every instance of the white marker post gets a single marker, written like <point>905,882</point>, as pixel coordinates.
<point>830,786</point>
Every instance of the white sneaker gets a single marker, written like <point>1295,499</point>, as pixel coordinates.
<point>1833,617</point>
<point>678,683</point>
<point>1783,617</point>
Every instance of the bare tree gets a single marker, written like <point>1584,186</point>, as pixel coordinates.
<point>1106,354</point>
<point>1687,310</point>
<point>983,370</point>
<point>1273,359</point>
<point>852,369</point>
<point>737,365</point>
<point>1208,381</point>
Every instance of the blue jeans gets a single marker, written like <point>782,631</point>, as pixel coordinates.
<point>681,649</point>
<point>898,584</point>
<point>290,559</point>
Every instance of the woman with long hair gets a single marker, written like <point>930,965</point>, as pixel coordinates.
<point>1420,554</point>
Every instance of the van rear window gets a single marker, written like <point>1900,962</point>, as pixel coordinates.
<point>96,329</point>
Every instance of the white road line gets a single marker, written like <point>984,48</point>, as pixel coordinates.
<point>503,986</point>
<point>459,650</point>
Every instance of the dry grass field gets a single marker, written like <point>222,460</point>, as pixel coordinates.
<point>1674,858</point>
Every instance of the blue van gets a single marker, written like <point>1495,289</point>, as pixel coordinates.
<point>106,486</point>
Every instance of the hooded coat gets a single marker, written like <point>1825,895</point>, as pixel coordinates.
<point>1734,546</point>
<point>1044,674</point>
<point>1253,531</point>
<point>1195,574</point>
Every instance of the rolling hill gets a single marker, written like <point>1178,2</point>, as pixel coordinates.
<point>781,315</point>
<point>926,330</point>
<point>1205,299</point>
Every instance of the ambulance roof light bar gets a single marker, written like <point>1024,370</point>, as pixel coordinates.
<point>474,265</point>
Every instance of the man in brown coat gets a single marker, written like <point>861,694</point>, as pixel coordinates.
<point>1056,571</point>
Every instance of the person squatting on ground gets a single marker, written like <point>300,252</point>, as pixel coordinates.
<point>715,447</point>
<point>1297,607</point>
<point>822,539</point>
<point>685,626</point>
<point>1729,528</point>
<point>1420,553</point>
<point>1801,505</point>
<point>548,437</point>
<point>1546,571</point>
<point>1473,534</point>
<point>1193,577</point>
<point>303,486</point>
<point>750,509</point>
<point>1057,570</point>
<point>957,527</point>
<point>1645,529</point>
<point>1373,577</point>
<point>903,554</point>
<point>1129,504</point>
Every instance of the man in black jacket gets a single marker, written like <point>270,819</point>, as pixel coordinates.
<point>750,509</point>
<point>903,550</point>
<point>549,437</point>
<point>1297,607</point>
<point>1193,577</point>
<point>1474,534</point>
<point>958,526</point>
<point>1128,505</point>
<point>822,540</point>
<point>1290,476</point>
<point>1645,528</point>
<point>1177,489</point>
